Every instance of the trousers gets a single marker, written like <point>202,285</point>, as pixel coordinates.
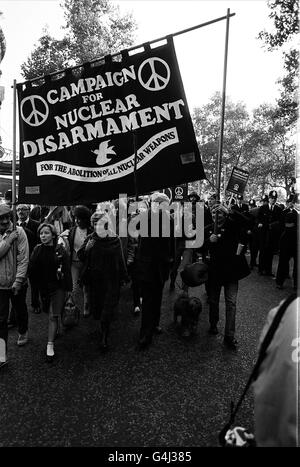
<point>230,293</point>
<point>19,304</point>
<point>152,293</point>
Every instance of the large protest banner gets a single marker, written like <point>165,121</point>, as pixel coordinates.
<point>77,132</point>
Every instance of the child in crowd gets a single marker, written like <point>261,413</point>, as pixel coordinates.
<point>49,269</point>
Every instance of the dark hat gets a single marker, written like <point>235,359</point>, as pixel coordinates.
<point>252,202</point>
<point>194,274</point>
<point>240,197</point>
<point>265,198</point>
<point>273,194</point>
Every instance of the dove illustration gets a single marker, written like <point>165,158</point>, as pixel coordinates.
<point>103,152</point>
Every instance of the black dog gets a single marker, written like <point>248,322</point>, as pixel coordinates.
<point>189,309</point>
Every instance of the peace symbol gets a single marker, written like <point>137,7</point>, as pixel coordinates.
<point>155,81</point>
<point>178,190</point>
<point>35,117</point>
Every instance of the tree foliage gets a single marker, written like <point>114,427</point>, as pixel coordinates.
<point>93,29</point>
<point>50,55</point>
<point>2,43</point>
<point>259,143</point>
<point>207,128</point>
<point>285,16</point>
<point>272,149</point>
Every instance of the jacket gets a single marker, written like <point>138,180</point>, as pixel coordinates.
<point>154,254</point>
<point>270,220</point>
<point>223,264</point>
<point>43,268</point>
<point>103,256</point>
<point>7,276</point>
<point>275,389</point>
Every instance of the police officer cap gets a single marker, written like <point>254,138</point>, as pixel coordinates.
<point>273,194</point>
<point>265,198</point>
<point>252,202</point>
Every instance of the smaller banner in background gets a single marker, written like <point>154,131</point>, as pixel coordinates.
<point>177,193</point>
<point>180,192</point>
<point>238,181</point>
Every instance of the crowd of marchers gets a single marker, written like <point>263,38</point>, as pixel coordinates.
<point>57,252</point>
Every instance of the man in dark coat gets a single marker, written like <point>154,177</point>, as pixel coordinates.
<point>269,223</point>
<point>225,244</point>
<point>253,236</point>
<point>153,266</point>
<point>239,205</point>
<point>243,209</point>
<point>288,244</point>
<point>26,222</point>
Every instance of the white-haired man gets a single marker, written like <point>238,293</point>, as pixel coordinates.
<point>225,244</point>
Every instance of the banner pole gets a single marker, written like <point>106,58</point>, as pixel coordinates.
<point>220,149</point>
<point>135,165</point>
<point>13,188</point>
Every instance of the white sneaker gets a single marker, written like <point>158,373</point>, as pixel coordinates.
<point>22,339</point>
<point>50,350</point>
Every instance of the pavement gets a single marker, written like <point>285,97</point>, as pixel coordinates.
<point>176,393</point>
